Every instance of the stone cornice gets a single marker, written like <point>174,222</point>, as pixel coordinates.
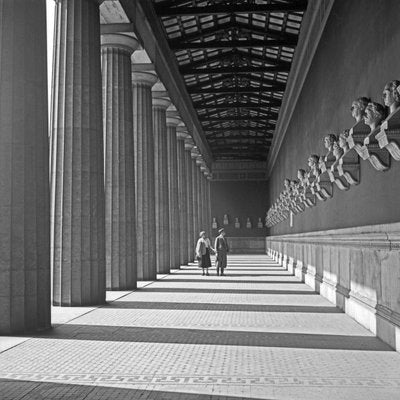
<point>375,237</point>
<point>312,26</point>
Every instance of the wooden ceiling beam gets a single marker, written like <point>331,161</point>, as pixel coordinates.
<point>223,44</point>
<point>233,70</point>
<point>167,9</point>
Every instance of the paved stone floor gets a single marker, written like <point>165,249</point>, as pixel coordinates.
<point>257,333</point>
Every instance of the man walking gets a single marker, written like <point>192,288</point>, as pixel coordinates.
<point>221,249</point>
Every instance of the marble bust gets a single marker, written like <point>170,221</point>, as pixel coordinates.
<point>328,142</point>
<point>342,141</point>
<point>375,113</point>
<point>391,96</point>
<point>286,184</point>
<point>301,175</point>
<point>337,151</point>
<point>358,108</point>
<point>313,161</point>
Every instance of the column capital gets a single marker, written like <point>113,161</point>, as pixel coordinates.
<point>194,152</point>
<point>173,121</point>
<point>189,144</point>
<point>145,78</point>
<point>119,41</point>
<point>160,102</point>
<point>182,132</point>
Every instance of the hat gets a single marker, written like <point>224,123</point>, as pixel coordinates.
<point>202,233</point>
<point>221,230</point>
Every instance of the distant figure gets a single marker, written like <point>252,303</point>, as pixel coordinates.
<point>203,251</point>
<point>221,249</point>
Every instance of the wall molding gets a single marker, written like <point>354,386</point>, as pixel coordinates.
<point>376,237</point>
<point>312,27</point>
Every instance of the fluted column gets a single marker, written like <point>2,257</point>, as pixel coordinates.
<point>208,190</point>
<point>183,194</point>
<point>174,222</point>
<point>204,199</point>
<point>77,157</point>
<point>120,218</point>
<point>144,174</point>
<point>199,197</point>
<point>163,238</point>
<point>24,172</point>
<point>196,225</point>
<point>189,199</point>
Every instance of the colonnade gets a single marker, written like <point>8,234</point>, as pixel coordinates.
<point>126,190</point>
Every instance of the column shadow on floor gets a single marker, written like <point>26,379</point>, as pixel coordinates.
<point>29,390</point>
<point>146,305</point>
<point>232,274</point>
<point>227,281</point>
<point>215,337</point>
<point>149,289</point>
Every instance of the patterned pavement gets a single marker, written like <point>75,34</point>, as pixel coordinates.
<point>257,333</point>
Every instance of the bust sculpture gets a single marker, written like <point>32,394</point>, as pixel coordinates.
<point>391,96</point>
<point>321,163</point>
<point>358,108</point>
<point>214,224</point>
<point>248,223</point>
<point>313,164</point>
<point>259,223</point>
<point>343,140</point>
<point>375,113</point>
<point>237,223</point>
<point>328,141</point>
<point>301,176</point>
<point>226,221</point>
<point>337,151</point>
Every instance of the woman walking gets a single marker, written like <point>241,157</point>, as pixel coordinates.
<point>203,251</point>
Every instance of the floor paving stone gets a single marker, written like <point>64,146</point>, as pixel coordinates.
<point>258,333</point>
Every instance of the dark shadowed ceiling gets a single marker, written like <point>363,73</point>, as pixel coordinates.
<point>235,57</point>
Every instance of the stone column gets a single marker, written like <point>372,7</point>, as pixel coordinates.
<point>183,194</point>
<point>24,171</point>
<point>190,230</point>
<point>196,225</point>
<point>174,223</point>
<point>120,218</point>
<point>77,177</point>
<point>206,224</point>
<point>208,189</point>
<point>199,195</point>
<point>160,106</point>
<point>143,141</point>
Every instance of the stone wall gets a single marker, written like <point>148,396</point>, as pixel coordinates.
<point>242,200</point>
<point>351,61</point>
<point>357,269</point>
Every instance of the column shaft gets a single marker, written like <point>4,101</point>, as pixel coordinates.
<point>183,211</point>
<point>189,202</point>
<point>195,226</point>
<point>77,157</point>
<point>174,222</point>
<point>144,175</point>
<point>119,171</point>
<point>199,199</point>
<point>24,173</point>
<point>208,190</point>
<point>161,185</point>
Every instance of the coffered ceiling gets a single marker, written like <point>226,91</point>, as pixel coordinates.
<point>235,57</point>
